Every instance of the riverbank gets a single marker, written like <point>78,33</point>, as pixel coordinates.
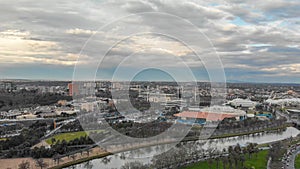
<point>196,138</point>
<point>282,127</point>
<point>257,161</point>
<point>51,164</point>
<point>297,162</point>
<point>100,153</point>
<point>81,160</point>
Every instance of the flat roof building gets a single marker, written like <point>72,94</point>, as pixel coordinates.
<point>210,114</point>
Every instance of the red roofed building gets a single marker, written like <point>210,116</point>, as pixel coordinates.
<point>201,117</point>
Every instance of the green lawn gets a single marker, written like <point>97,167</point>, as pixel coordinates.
<point>259,162</point>
<point>3,139</point>
<point>297,162</point>
<point>70,136</point>
<point>202,165</point>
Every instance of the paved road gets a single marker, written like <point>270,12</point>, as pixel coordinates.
<point>63,123</point>
<point>293,157</point>
<point>282,114</point>
<point>290,158</point>
<point>269,163</point>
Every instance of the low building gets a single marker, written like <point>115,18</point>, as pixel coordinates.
<point>294,114</point>
<point>245,103</point>
<point>62,102</point>
<point>210,114</point>
<point>267,115</point>
<point>12,114</point>
<point>66,112</point>
<point>89,107</point>
<point>27,116</point>
<point>285,101</point>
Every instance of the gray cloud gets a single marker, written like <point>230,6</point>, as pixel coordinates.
<point>248,35</point>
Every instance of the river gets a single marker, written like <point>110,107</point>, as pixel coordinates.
<point>145,154</point>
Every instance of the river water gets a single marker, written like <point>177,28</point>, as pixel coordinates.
<point>144,155</point>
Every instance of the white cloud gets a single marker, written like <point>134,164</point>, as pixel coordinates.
<point>78,31</point>
<point>51,34</point>
<point>19,48</point>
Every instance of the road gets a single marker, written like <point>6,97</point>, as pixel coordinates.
<point>289,120</point>
<point>282,114</point>
<point>293,157</point>
<point>289,160</point>
<point>62,124</point>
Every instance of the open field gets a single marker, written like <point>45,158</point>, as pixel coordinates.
<point>258,162</point>
<point>297,162</point>
<point>71,136</point>
<point>3,139</point>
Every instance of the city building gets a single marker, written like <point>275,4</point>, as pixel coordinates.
<point>210,114</point>
<point>26,116</point>
<point>245,103</point>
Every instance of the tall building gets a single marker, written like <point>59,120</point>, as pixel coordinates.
<point>82,89</point>
<point>6,86</point>
<point>73,89</point>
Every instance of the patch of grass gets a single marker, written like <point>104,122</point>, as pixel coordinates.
<point>79,161</point>
<point>204,165</point>
<point>297,162</point>
<point>3,139</point>
<point>71,136</point>
<point>258,162</point>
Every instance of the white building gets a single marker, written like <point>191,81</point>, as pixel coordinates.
<point>283,101</point>
<point>27,116</point>
<point>242,103</point>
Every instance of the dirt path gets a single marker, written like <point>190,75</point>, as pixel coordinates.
<point>14,162</point>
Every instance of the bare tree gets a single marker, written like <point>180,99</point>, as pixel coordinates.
<point>88,165</point>
<point>133,165</point>
<point>89,151</point>
<point>40,163</point>
<point>57,158</point>
<point>73,156</point>
<point>24,165</point>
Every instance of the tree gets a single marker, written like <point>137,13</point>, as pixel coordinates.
<point>40,163</point>
<point>210,162</point>
<point>242,159</point>
<point>24,165</point>
<point>218,162</point>
<point>57,158</point>
<point>106,160</point>
<point>89,151</point>
<point>224,161</point>
<point>73,156</point>
<point>88,165</point>
<point>53,140</point>
<point>134,165</point>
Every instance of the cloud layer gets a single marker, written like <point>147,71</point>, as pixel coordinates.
<point>256,40</point>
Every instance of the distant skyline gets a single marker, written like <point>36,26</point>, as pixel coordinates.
<point>257,41</point>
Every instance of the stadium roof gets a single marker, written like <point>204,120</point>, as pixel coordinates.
<point>206,115</point>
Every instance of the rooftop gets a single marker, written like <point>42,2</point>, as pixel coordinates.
<point>206,115</point>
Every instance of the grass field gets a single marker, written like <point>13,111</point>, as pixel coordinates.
<point>3,139</point>
<point>259,162</point>
<point>297,162</point>
<point>70,136</point>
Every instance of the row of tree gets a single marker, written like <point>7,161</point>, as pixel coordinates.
<point>25,98</point>
<point>186,154</point>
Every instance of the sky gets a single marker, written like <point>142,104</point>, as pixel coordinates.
<point>218,40</point>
